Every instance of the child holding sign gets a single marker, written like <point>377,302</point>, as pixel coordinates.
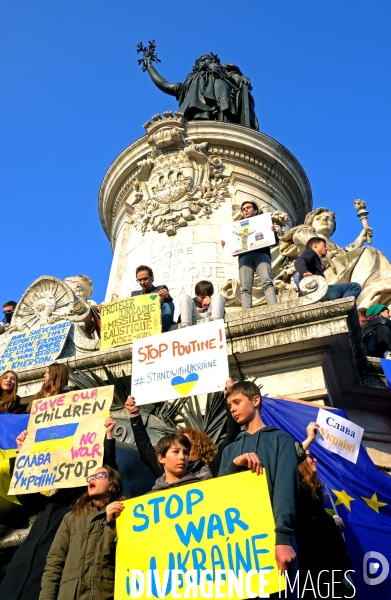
<point>23,578</point>
<point>82,556</point>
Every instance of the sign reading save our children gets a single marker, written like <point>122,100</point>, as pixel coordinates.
<point>130,319</point>
<point>192,360</point>
<point>35,347</point>
<point>65,441</point>
<point>181,543</point>
<point>339,435</point>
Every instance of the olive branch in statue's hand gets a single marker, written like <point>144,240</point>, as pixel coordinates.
<point>149,52</point>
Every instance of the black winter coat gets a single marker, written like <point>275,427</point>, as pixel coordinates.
<point>23,578</point>
<point>320,545</point>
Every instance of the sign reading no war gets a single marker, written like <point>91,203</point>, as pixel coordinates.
<point>130,319</point>
<point>166,536</point>
<point>35,347</point>
<point>65,441</point>
<point>192,360</point>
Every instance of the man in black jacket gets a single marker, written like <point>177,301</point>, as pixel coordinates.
<point>310,263</point>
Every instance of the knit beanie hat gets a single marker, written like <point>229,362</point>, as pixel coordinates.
<point>375,310</point>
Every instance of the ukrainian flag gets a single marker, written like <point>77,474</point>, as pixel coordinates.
<point>10,427</point>
<point>56,437</point>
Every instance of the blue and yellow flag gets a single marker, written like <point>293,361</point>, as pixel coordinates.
<point>10,427</point>
<point>361,495</point>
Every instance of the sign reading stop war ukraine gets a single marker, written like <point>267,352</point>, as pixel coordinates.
<point>65,441</point>
<point>130,319</point>
<point>185,529</point>
<point>192,360</point>
<point>35,347</point>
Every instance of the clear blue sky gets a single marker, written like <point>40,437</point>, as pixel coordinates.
<point>73,97</point>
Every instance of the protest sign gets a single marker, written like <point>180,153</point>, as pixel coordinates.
<point>35,347</point>
<point>339,435</point>
<point>130,319</point>
<point>185,529</point>
<point>65,441</point>
<point>248,234</point>
<point>174,364</point>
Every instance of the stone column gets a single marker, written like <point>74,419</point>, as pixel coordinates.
<point>177,185</point>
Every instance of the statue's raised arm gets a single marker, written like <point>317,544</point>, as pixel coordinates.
<point>212,91</point>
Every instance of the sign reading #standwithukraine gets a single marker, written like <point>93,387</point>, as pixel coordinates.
<point>35,347</point>
<point>130,319</point>
<point>339,435</point>
<point>192,360</point>
<point>65,441</point>
<point>181,543</point>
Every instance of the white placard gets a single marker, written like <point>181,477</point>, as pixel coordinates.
<point>339,435</point>
<point>248,234</point>
<point>188,361</point>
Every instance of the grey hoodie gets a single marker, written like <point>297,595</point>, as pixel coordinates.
<point>162,484</point>
<point>277,453</point>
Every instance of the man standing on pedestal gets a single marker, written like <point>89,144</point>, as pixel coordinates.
<point>258,261</point>
<point>144,276</point>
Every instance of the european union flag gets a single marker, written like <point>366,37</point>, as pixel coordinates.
<point>361,493</point>
<point>10,427</point>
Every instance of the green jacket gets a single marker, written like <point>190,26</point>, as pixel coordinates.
<point>80,563</point>
<point>278,456</point>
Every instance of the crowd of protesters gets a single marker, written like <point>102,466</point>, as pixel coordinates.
<point>69,552</point>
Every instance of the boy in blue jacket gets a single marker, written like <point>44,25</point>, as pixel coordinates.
<point>273,449</point>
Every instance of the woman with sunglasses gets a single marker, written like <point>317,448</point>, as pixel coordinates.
<point>24,573</point>
<point>320,545</point>
<point>81,560</point>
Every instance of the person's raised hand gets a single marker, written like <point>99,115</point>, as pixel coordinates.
<point>21,438</point>
<point>130,405</point>
<point>338,521</point>
<point>249,460</point>
<point>113,510</point>
<point>312,430</point>
<point>109,424</point>
<point>223,243</point>
<point>284,556</point>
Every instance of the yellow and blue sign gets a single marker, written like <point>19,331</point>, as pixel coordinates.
<point>10,427</point>
<point>65,441</point>
<point>185,529</point>
<point>130,319</point>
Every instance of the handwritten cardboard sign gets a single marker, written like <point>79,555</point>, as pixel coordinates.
<point>35,347</point>
<point>186,529</point>
<point>339,435</point>
<point>65,441</point>
<point>192,360</point>
<point>248,234</point>
<point>130,319</point>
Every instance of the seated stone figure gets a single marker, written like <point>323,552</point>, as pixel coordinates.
<point>205,305</point>
<point>365,265</point>
<point>311,263</point>
<point>376,333</point>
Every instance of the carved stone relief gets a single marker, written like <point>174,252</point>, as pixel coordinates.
<point>49,300</point>
<point>177,182</point>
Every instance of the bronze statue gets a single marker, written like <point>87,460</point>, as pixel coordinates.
<point>212,91</point>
